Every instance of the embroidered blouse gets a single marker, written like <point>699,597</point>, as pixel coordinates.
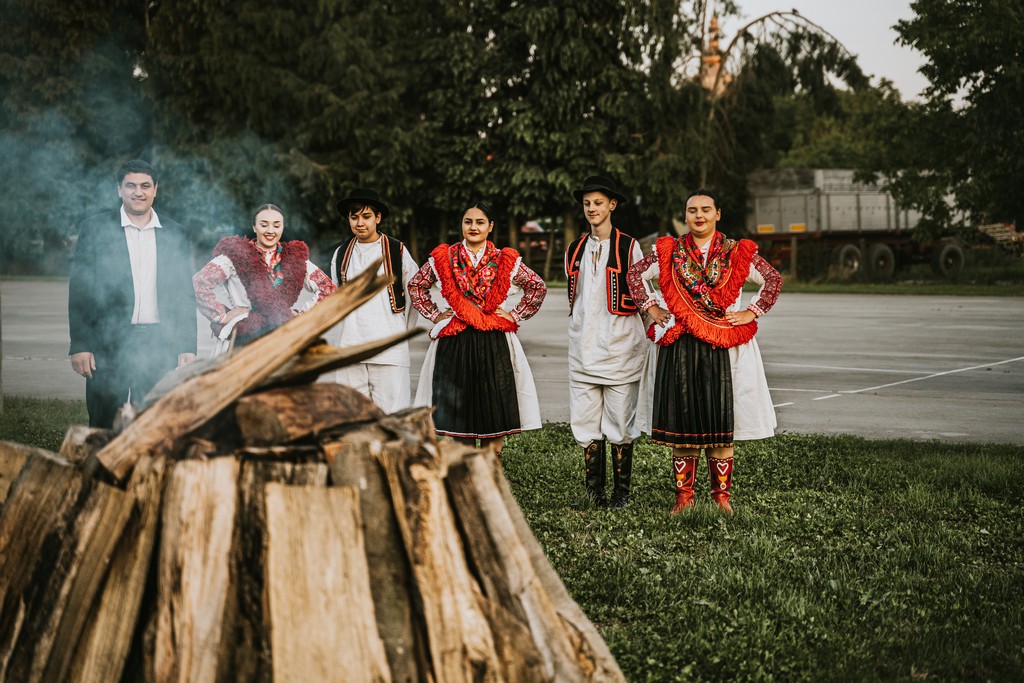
<point>761,273</point>
<point>221,273</point>
<point>476,276</point>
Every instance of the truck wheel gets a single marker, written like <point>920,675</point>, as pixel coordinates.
<point>881,262</point>
<point>848,261</point>
<point>948,259</point>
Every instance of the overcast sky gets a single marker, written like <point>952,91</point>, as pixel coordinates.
<point>863,26</point>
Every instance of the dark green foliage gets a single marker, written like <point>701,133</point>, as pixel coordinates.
<point>965,140</point>
<point>239,103</point>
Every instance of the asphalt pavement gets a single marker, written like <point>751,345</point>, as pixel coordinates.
<point>918,367</point>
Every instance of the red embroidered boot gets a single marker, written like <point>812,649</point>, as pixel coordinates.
<point>720,473</point>
<point>685,476</point>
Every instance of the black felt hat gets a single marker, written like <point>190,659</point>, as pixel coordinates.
<point>599,183</point>
<point>363,195</point>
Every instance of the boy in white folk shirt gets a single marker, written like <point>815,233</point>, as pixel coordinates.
<point>607,344</point>
<point>385,377</point>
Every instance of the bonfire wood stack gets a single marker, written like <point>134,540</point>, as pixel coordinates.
<point>253,526</point>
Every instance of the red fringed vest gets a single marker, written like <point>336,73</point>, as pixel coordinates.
<point>461,287</point>
<point>698,294</point>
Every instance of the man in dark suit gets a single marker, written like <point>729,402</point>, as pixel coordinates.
<point>131,306</point>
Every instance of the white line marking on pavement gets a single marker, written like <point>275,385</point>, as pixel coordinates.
<point>840,367</point>
<point>822,398</point>
<point>782,405</point>
<point>931,376</point>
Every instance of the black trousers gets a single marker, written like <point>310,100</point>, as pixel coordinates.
<point>126,372</point>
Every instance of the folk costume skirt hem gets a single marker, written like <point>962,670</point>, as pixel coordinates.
<point>693,397</point>
<point>480,384</point>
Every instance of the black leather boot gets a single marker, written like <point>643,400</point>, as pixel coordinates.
<point>594,464</point>
<point>622,473</point>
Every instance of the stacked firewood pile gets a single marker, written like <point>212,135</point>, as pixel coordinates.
<point>251,525</point>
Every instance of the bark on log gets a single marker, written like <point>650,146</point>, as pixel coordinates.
<point>506,571</point>
<point>278,416</point>
<point>461,644</point>
<point>322,620</point>
<point>104,646</point>
<point>588,643</point>
<point>12,459</point>
<point>58,530</point>
<point>186,407</point>
<point>251,633</point>
<point>194,570</point>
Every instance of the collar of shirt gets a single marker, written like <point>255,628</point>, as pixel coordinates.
<point>475,258</point>
<point>154,220</point>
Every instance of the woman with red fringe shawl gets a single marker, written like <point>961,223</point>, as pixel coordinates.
<point>260,280</point>
<point>709,383</point>
<point>475,371</point>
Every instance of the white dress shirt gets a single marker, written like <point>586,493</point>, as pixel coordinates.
<point>142,254</point>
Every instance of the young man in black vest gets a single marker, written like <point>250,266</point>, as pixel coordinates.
<point>385,377</point>
<point>607,345</point>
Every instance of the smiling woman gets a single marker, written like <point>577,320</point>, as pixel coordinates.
<point>252,284</point>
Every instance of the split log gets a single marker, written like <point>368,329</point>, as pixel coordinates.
<point>507,575</point>
<point>12,459</point>
<point>194,570</point>
<point>103,649</point>
<point>592,651</point>
<point>58,530</point>
<point>353,462</point>
<point>322,619</point>
<point>321,358</point>
<point>251,645</point>
<point>461,644</point>
<point>281,415</point>
<point>186,407</point>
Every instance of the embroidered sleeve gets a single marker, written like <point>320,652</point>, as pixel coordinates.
<point>205,283</point>
<point>641,271</point>
<point>762,273</point>
<point>534,291</point>
<point>419,291</point>
<point>318,282</point>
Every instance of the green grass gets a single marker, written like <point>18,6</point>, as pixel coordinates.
<point>846,560</point>
<point>40,422</point>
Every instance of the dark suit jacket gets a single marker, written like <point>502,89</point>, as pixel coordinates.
<point>102,295</point>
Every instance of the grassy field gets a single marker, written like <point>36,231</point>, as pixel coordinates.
<point>846,560</point>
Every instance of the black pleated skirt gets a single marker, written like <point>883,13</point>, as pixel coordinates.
<point>693,396</point>
<point>474,386</point>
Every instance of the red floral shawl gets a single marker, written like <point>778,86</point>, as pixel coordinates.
<point>271,306</point>
<point>698,294</point>
<point>475,293</point>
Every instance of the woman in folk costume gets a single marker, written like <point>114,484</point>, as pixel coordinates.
<point>475,371</point>
<point>259,280</point>
<point>709,384</point>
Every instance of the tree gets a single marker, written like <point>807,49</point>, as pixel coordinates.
<point>70,112</point>
<point>958,156</point>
